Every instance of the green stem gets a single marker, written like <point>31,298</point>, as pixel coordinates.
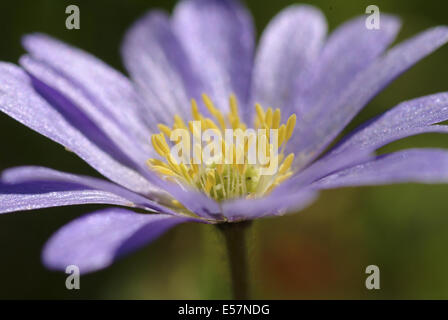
<point>235,238</point>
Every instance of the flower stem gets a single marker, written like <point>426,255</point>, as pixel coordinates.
<point>235,238</point>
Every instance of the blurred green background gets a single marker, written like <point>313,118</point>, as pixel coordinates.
<point>321,252</point>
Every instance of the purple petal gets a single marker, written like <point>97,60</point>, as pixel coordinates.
<point>219,39</point>
<point>160,67</point>
<point>408,118</point>
<point>195,201</point>
<point>271,205</point>
<point>350,49</point>
<point>289,45</point>
<point>26,188</point>
<point>414,165</point>
<point>95,240</point>
<point>314,138</point>
<point>38,195</point>
<point>323,167</point>
<point>84,111</point>
<point>106,86</point>
<point>19,100</point>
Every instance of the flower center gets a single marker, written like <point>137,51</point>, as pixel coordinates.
<point>227,160</point>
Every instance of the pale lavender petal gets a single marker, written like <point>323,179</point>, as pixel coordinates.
<point>219,39</point>
<point>80,107</point>
<point>408,118</point>
<point>314,138</point>
<point>38,195</point>
<point>272,205</point>
<point>414,165</point>
<point>92,242</point>
<point>112,92</point>
<point>19,100</point>
<point>323,167</point>
<point>350,49</point>
<point>160,67</point>
<point>32,178</point>
<point>288,47</point>
<point>195,201</point>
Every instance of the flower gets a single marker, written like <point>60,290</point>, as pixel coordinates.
<point>206,52</point>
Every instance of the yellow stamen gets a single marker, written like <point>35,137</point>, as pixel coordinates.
<point>286,164</point>
<point>195,110</point>
<point>260,114</point>
<point>290,125</point>
<point>268,118</point>
<point>164,129</point>
<point>281,134</point>
<point>215,112</point>
<point>217,178</point>
<point>159,145</point>
<point>179,123</point>
<point>276,119</point>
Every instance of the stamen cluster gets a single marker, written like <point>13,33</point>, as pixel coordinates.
<point>229,173</point>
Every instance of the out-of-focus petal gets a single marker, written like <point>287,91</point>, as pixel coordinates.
<point>193,200</point>
<point>19,100</point>
<point>312,139</point>
<point>414,165</point>
<point>272,205</point>
<point>350,49</point>
<point>112,92</point>
<point>288,47</point>
<point>95,240</point>
<point>160,67</point>
<point>218,38</point>
<point>45,187</point>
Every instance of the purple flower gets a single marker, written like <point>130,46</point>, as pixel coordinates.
<point>319,83</point>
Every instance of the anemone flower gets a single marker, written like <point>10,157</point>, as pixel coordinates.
<point>201,64</point>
